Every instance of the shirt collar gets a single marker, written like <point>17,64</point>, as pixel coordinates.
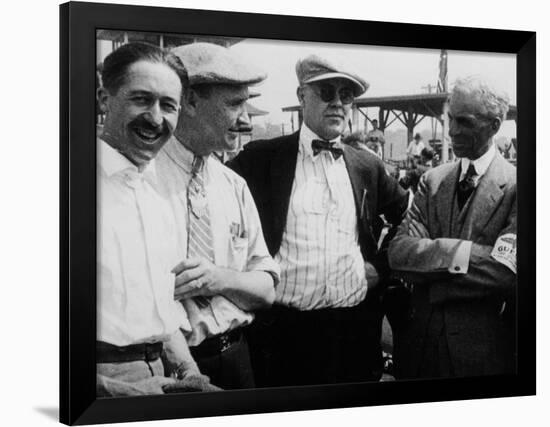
<point>481,164</point>
<point>112,162</point>
<point>306,136</point>
<point>181,155</point>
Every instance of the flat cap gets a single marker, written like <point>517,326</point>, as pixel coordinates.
<point>208,63</point>
<point>314,68</point>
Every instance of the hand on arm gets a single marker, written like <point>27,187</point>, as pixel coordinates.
<point>177,359</point>
<point>110,387</point>
<point>249,290</point>
<point>413,254</point>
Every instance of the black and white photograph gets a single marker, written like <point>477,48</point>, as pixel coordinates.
<point>294,214</point>
<point>276,213</point>
<point>316,215</point>
<point>326,216</point>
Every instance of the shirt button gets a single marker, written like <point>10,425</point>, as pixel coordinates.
<point>457,268</point>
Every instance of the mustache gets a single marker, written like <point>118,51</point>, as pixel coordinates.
<point>241,129</point>
<point>144,122</point>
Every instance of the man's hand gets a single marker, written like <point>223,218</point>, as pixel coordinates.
<point>198,277</point>
<point>191,383</point>
<point>372,275</point>
<point>417,229</point>
<point>112,387</point>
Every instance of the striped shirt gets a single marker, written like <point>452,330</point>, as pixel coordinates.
<point>236,233</point>
<point>320,258</point>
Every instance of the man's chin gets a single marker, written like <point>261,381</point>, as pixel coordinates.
<point>232,141</point>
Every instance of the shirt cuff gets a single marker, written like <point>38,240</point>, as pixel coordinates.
<point>461,258</point>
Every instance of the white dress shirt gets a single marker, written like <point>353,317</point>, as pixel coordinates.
<point>136,251</point>
<point>320,258</point>
<point>481,164</point>
<point>414,148</point>
<point>236,231</point>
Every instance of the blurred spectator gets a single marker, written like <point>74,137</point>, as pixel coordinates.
<point>375,139</point>
<point>415,148</point>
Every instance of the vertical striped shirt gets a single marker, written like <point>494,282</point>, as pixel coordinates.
<point>237,237</point>
<point>320,258</point>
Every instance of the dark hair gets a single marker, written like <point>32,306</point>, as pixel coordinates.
<point>354,139</point>
<point>427,153</point>
<point>116,64</point>
<point>203,90</point>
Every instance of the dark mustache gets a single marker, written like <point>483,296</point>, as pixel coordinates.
<point>241,129</point>
<point>145,123</point>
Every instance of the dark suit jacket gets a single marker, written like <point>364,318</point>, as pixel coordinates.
<point>268,166</point>
<point>480,336</point>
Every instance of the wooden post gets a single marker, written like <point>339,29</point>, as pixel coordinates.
<point>444,134</point>
<point>381,120</point>
<point>354,118</point>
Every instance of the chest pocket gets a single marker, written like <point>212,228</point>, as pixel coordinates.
<point>236,230</point>
<point>238,253</point>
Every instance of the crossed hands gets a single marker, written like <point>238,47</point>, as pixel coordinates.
<point>198,277</point>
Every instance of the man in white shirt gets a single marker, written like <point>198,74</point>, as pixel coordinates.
<point>137,317</point>
<point>375,139</point>
<point>457,248</point>
<point>415,148</point>
<point>317,200</point>
<point>226,272</point>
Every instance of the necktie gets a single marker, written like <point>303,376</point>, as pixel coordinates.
<point>318,145</point>
<point>466,186</point>
<point>199,239</point>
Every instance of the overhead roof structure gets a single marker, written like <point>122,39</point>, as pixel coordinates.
<point>163,39</point>
<point>426,104</point>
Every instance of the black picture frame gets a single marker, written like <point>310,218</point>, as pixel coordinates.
<point>78,24</point>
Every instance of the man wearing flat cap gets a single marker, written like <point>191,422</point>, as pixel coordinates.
<point>226,271</point>
<point>317,199</point>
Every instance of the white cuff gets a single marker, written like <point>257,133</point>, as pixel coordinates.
<point>461,258</point>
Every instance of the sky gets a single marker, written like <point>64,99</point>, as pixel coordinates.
<point>390,71</point>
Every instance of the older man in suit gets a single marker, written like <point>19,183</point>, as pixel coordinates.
<point>317,200</point>
<point>457,251</point>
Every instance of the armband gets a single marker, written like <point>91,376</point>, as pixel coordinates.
<point>504,251</point>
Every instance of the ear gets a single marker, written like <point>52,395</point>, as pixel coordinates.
<point>495,125</point>
<point>103,96</point>
<point>300,95</point>
<point>189,102</point>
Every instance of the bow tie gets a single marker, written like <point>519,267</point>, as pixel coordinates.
<point>317,145</point>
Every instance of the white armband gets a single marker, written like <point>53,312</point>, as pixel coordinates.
<point>504,251</point>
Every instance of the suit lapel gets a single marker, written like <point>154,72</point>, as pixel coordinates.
<point>446,197</point>
<point>365,197</point>
<point>485,200</point>
<point>283,169</point>
<point>359,187</point>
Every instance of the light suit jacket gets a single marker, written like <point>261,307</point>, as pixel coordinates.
<point>479,306</point>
